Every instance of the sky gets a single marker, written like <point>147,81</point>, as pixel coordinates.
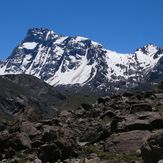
<point>119,25</point>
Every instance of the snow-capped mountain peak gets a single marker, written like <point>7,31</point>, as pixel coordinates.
<point>67,60</point>
<point>149,49</point>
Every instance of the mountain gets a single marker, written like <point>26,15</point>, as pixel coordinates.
<point>28,94</point>
<point>78,62</point>
<point>40,100</point>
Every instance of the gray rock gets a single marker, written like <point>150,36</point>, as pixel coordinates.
<point>126,142</point>
<point>152,149</point>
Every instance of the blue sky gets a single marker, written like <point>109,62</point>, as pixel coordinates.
<point>120,25</point>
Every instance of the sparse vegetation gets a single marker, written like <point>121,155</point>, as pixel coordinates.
<point>112,156</point>
<point>21,157</point>
<point>22,160</point>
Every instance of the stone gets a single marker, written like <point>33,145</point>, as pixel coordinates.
<point>152,149</point>
<point>49,153</point>
<point>28,128</point>
<point>25,140</point>
<point>140,121</point>
<point>140,107</point>
<point>94,160</point>
<point>126,142</point>
<point>109,114</point>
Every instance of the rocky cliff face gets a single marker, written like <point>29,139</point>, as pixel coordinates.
<point>81,63</point>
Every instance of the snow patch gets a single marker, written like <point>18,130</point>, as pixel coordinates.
<point>60,40</point>
<point>151,49</point>
<point>147,60</point>
<point>26,59</point>
<point>114,61</point>
<point>29,45</point>
<point>80,38</point>
<point>47,36</point>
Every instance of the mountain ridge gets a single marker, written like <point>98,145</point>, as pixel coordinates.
<point>68,61</point>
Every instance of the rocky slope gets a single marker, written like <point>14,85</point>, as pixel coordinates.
<point>24,93</point>
<point>126,127</point>
<point>81,63</point>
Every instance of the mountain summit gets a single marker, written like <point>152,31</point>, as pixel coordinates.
<point>78,61</point>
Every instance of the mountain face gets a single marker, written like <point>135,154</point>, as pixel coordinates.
<point>28,94</point>
<point>79,62</point>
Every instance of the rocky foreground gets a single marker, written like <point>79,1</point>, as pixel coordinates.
<point>127,127</point>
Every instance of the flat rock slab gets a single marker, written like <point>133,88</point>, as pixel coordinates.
<point>126,142</point>
<point>140,121</point>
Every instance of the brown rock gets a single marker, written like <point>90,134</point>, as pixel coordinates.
<point>140,121</point>
<point>126,142</point>
<point>28,128</point>
<point>95,160</point>
<point>140,107</point>
<point>152,149</point>
<point>25,140</point>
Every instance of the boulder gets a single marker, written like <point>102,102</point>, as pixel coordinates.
<point>24,140</point>
<point>49,153</point>
<point>140,121</point>
<point>109,114</point>
<point>94,160</point>
<point>140,107</point>
<point>126,142</point>
<point>152,149</point>
<point>29,128</point>
<point>49,133</point>
<point>93,132</point>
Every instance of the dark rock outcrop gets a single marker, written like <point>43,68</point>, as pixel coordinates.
<point>152,149</point>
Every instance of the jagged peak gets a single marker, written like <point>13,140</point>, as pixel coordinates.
<point>39,30</point>
<point>148,49</point>
<point>40,34</point>
<point>37,34</point>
